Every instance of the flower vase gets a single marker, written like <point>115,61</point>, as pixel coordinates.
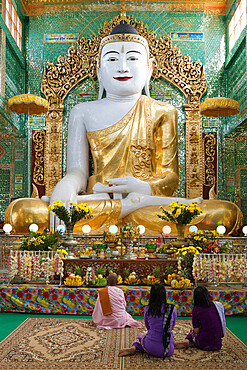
<point>69,243</point>
<point>180,236</point>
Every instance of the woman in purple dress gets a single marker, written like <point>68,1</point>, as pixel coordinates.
<point>160,319</point>
<point>208,321</point>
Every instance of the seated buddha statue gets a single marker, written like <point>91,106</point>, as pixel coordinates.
<point>133,141</point>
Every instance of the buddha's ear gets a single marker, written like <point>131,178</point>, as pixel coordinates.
<point>150,71</point>
<point>101,87</point>
<point>150,67</point>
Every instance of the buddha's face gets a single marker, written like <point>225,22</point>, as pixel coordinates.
<point>124,68</point>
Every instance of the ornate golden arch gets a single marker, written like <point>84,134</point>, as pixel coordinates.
<point>80,63</point>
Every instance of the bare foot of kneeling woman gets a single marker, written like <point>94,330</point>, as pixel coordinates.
<point>185,344</point>
<point>127,351</point>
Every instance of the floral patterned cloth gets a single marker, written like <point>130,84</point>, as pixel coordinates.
<point>81,301</point>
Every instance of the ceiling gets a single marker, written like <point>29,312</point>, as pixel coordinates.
<point>35,7</point>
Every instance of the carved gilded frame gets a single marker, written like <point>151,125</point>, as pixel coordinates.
<point>80,62</point>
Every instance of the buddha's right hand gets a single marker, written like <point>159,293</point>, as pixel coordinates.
<point>68,188</point>
<point>64,191</point>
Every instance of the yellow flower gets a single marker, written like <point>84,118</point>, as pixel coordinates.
<point>155,213</point>
<point>178,213</point>
<point>58,203</point>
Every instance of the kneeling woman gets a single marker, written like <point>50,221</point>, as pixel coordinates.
<point>160,319</point>
<point>208,321</point>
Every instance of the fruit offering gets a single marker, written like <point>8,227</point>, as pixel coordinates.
<point>100,280</point>
<point>86,252</point>
<point>181,283</point>
<point>171,277</point>
<point>132,279</point>
<point>151,279</point>
<point>119,279</point>
<point>177,281</point>
<point>73,280</point>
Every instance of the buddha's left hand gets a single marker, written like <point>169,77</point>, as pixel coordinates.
<point>123,185</point>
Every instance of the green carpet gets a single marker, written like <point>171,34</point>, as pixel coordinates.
<point>10,321</point>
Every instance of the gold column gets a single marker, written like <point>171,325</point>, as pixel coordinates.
<point>194,151</point>
<point>53,148</point>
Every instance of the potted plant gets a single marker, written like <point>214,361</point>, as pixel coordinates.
<point>151,248</point>
<point>162,252</point>
<point>70,215</point>
<point>41,241</point>
<point>181,215</point>
<point>100,248</point>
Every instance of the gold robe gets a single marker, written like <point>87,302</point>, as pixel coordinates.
<point>143,145</point>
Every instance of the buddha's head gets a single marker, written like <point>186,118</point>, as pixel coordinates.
<point>124,66</point>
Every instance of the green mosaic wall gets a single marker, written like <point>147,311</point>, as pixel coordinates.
<point>14,81</point>
<point>236,76</point>
<point>6,160</point>
<point>5,190</point>
<point>7,146</point>
<point>236,85</point>
<point>230,164</point>
<point>21,168</point>
<point>243,184</point>
<point>14,155</point>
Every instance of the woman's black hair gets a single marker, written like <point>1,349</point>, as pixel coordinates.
<point>157,299</point>
<point>202,297</point>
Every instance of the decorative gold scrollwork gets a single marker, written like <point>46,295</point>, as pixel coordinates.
<point>210,173</point>
<point>38,171</point>
<point>141,162</point>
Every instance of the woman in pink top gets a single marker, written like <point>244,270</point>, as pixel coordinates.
<point>119,318</point>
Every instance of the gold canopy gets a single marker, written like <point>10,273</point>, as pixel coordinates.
<point>28,104</point>
<point>217,107</point>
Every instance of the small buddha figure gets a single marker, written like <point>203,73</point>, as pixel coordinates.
<point>133,141</point>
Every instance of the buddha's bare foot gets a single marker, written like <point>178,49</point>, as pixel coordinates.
<point>127,351</point>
